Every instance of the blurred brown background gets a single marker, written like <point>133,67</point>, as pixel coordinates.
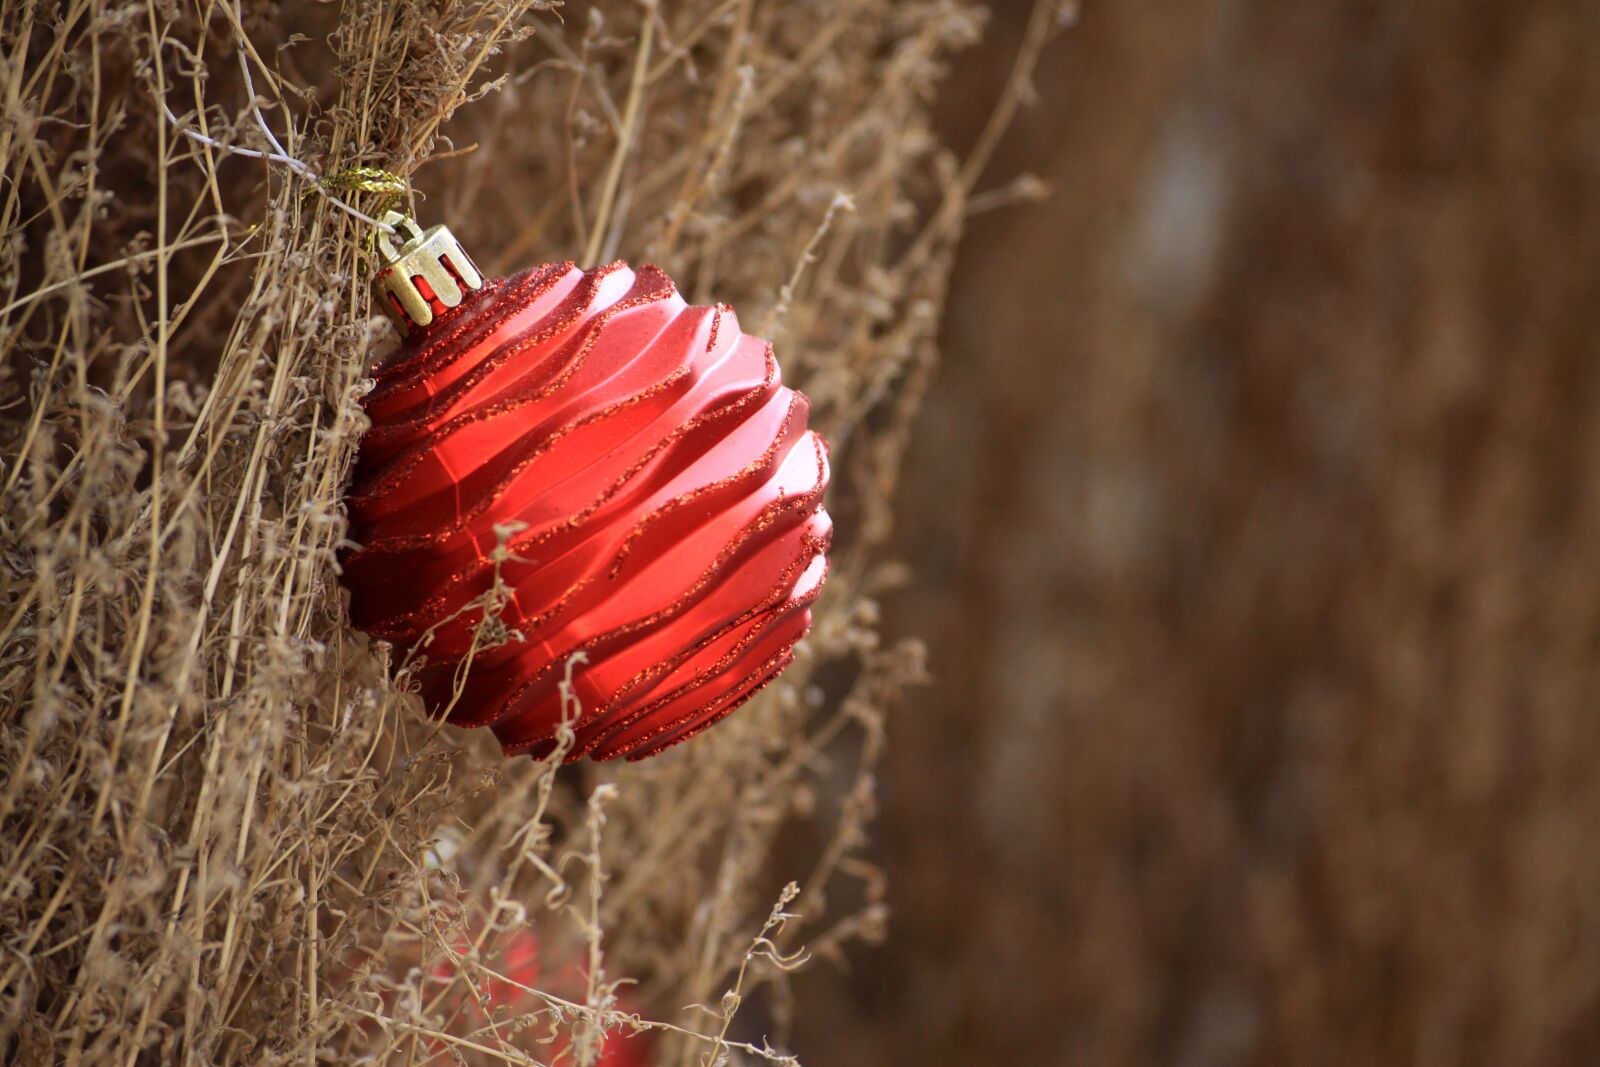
<point>1256,535</point>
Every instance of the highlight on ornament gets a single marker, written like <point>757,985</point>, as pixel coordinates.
<point>574,462</point>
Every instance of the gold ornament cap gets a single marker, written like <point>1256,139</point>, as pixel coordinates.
<point>422,272</point>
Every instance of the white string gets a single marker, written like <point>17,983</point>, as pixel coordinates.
<point>278,155</point>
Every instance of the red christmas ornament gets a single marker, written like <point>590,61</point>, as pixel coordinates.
<point>663,489</point>
<point>499,1000</point>
<point>505,990</point>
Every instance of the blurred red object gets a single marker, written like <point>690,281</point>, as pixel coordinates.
<point>506,995</point>
<point>654,485</point>
<point>500,994</point>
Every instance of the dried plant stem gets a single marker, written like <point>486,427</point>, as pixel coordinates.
<point>625,137</point>
<point>1047,18</point>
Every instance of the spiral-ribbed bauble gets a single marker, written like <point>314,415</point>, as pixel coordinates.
<point>655,488</point>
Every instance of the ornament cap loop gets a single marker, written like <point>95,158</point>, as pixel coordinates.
<point>423,273</point>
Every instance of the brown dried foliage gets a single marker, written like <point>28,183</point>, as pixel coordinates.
<point>225,835</point>
<point>1266,619</point>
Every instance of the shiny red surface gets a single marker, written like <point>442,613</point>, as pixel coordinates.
<point>665,492</point>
